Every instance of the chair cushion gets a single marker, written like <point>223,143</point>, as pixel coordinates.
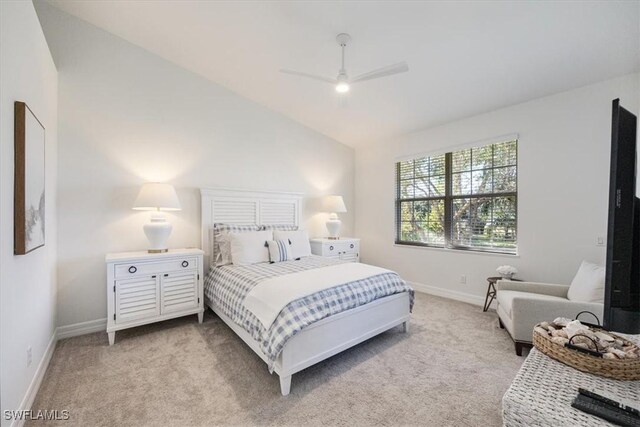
<point>505,299</point>
<point>588,285</point>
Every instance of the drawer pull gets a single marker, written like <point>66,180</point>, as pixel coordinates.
<point>331,247</point>
<point>351,246</point>
<point>133,269</point>
<point>166,275</point>
<point>153,277</point>
<point>185,264</point>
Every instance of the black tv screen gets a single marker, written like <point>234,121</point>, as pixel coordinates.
<point>622,279</point>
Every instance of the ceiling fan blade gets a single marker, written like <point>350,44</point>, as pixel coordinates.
<point>389,70</point>
<point>309,76</point>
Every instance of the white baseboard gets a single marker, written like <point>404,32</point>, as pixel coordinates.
<point>32,390</point>
<point>81,328</point>
<point>446,293</point>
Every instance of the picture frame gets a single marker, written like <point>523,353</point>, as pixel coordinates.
<point>29,180</point>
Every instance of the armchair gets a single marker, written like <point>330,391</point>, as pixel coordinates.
<point>521,305</point>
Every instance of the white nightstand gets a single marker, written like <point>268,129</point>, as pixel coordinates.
<point>346,248</point>
<point>145,288</point>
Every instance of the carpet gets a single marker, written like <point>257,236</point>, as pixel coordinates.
<point>452,368</point>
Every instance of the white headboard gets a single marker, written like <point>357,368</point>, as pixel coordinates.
<point>246,207</point>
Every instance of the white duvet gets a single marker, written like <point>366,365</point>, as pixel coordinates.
<point>267,299</point>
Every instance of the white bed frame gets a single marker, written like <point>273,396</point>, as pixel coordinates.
<point>324,338</point>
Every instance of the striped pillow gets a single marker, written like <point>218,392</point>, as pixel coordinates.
<point>279,250</point>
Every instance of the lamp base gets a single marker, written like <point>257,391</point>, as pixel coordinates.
<point>157,232</point>
<point>333,226</point>
<point>157,251</point>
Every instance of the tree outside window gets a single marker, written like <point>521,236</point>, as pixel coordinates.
<point>465,199</point>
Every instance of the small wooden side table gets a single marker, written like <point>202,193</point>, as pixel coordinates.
<point>491,290</point>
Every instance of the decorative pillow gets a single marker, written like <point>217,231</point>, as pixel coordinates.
<point>300,246</point>
<point>250,247</point>
<point>279,250</point>
<point>221,245</point>
<point>588,285</point>
<point>283,227</point>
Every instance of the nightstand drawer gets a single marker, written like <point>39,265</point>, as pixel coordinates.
<point>149,268</point>
<point>339,248</point>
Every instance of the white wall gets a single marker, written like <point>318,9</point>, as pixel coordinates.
<point>126,117</point>
<point>563,178</point>
<point>27,282</point>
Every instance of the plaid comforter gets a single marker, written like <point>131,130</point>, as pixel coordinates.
<point>226,288</point>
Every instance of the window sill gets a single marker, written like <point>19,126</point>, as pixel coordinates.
<point>458,251</point>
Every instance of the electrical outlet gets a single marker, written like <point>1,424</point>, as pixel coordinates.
<point>463,279</point>
<point>600,241</point>
<point>29,356</point>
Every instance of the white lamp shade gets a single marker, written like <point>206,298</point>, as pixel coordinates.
<point>157,196</point>
<point>334,204</point>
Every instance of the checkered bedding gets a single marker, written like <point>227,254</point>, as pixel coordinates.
<point>226,288</point>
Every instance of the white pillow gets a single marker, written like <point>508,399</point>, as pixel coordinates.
<point>221,242</point>
<point>250,247</point>
<point>300,246</point>
<point>279,250</point>
<point>588,285</point>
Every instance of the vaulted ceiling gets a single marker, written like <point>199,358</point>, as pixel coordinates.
<point>464,58</point>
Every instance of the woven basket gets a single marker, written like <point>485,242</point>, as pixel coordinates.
<point>620,369</point>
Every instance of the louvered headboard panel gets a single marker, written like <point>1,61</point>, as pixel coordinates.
<point>245,207</point>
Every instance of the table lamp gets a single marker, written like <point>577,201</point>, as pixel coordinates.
<point>334,205</point>
<point>157,197</point>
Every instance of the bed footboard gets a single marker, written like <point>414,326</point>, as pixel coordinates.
<point>337,333</point>
<point>331,335</point>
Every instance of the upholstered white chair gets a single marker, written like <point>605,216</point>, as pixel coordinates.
<point>521,305</point>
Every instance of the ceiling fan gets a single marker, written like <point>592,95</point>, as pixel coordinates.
<point>343,82</point>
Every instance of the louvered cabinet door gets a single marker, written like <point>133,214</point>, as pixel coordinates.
<point>179,291</point>
<point>351,257</point>
<point>137,298</point>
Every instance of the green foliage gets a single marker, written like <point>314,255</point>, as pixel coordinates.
<point>480,216</point>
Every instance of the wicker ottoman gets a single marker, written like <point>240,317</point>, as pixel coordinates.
<point>542,392</point>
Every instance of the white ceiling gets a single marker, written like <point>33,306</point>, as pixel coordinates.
<point>464,57</point>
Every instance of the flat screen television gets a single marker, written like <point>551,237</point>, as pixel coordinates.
<point>622,277</point>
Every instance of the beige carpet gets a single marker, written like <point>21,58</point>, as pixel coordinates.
<point>451,369</point>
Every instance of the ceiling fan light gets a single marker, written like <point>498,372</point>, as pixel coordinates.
<point>342,87</point>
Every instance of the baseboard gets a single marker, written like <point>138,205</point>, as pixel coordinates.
<point>446,293</point>
<point>82,328</point>
<point>32,390</point>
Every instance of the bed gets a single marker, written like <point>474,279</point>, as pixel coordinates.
<point>308,329</point>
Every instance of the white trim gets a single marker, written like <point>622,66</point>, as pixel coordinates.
<point>32,390</point>
<point>446,293</point>
<point>458,251</point>
<point>82,328</point>
<point>448,149</point>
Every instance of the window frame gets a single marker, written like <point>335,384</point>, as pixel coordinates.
<point>448,199</point>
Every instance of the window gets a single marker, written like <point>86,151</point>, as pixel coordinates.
<point>465,199</point>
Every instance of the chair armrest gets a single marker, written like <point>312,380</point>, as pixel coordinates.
<point>533,288</point>
<point>529,311</point>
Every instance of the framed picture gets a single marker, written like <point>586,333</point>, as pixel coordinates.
<point>29,194</point>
